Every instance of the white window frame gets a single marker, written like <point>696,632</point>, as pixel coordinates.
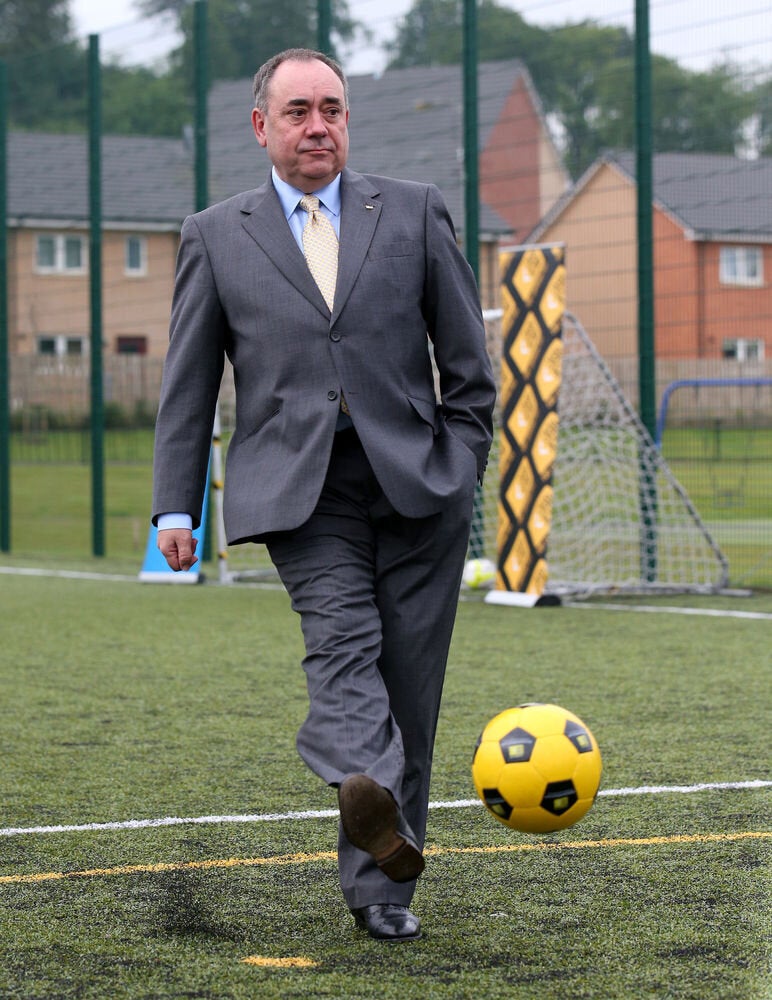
<point>741,265</point>
<point>141,242</point>
<point>743,349</point>
<point>60,242</point>
<point>62,343</point>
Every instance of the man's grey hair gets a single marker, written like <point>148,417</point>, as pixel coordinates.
<point>264,75</point>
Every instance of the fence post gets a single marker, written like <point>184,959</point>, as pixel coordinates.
<point>201,68</point>
<point>95,282</point>
<point>471,152</point>
<point>646,349</point>
<point>201,132</point>
<point>472,208</point>
<point>324,26</point>
<point>5,422</point>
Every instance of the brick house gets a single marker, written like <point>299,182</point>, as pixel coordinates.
<point>145,197</point>
<point>712,234</point>
<point>405,123</point>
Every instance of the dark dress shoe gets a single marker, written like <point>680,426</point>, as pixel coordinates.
<point>388,922</point>
<point>369,816</point>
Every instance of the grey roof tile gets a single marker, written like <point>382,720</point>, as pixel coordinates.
<point>713,195</point>
<point>145,180</point>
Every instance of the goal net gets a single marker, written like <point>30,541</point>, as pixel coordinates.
<point>621,522</point>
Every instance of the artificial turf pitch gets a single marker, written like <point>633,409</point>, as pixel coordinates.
<point>124,702</point>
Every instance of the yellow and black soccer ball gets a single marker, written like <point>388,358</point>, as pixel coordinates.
<point>537,768</point>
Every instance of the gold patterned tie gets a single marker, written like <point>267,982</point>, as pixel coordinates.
<point>320,246</point>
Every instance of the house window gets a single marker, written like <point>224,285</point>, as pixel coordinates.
<point>135,256</point>
<point>741,266</point>
<point>132,345</point>
<point>61,346</point>
<point>743,349</point>
<point>45,254</point>
<point>58,253</point>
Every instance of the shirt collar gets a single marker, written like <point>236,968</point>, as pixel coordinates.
<point>290,196</point>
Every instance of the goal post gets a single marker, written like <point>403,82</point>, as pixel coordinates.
<point>757,383</point>
<point>716,434</point>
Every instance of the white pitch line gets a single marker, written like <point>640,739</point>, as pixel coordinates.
<point>67,574</point>
<point>654,609</point>
<point>145,824</point>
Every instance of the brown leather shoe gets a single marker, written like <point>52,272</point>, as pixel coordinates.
<point>369,816</point>
<point>388,922</point>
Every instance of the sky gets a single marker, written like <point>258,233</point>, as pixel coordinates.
<point>697,33</point>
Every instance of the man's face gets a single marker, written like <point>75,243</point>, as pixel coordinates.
<point>305,128</point>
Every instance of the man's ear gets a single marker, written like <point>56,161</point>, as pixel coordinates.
<point>258,124</point>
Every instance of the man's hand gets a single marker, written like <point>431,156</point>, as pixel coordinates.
<point>178,547</point>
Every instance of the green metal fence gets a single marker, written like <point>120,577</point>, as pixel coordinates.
<point>111,141</point>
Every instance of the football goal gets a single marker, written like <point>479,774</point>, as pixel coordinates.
<point>621,521</point>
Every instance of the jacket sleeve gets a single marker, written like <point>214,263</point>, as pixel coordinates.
<point>456,329</point>
<point>191,382</point>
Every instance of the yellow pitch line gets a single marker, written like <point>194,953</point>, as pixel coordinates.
<point>304,858</point>
<point>174,866</point>
<point>568,845</point>
<point>297,962</point>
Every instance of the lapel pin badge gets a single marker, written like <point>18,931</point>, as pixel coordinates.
<point>369,207</point>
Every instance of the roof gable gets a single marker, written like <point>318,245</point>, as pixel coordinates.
<point>712,196</point>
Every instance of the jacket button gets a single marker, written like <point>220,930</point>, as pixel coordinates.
<point>332,395</point>
<point>335,336</point>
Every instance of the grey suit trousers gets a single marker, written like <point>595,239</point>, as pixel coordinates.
<point>376,593</point>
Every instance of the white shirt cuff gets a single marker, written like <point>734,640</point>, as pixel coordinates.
<point>174,520</point>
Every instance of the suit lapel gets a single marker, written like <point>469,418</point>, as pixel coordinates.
<point>264,220</point>
<point>360,211</point>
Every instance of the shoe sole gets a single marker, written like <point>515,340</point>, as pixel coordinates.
<point>369,817</point>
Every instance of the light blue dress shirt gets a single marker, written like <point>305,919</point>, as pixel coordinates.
<point>329,199</point>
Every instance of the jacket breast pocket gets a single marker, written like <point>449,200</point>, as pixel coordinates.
<point>397,248</point>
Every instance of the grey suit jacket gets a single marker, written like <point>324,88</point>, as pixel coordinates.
<point>243,289</point>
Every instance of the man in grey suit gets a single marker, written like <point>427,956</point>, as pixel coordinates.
<point>343,461</point>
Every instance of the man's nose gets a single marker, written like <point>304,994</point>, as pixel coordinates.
<point>316,123</point>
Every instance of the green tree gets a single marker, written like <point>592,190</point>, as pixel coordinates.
<point>595,102</point>
<point>587,87</point>
<point>585,76</point>
<point>698,112</point>
<point>33,24</point>
<point>242,35</point>
<point>140,101</point>
<point>46,65</point>
<point>762,113</point>
<point>431,34</point>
